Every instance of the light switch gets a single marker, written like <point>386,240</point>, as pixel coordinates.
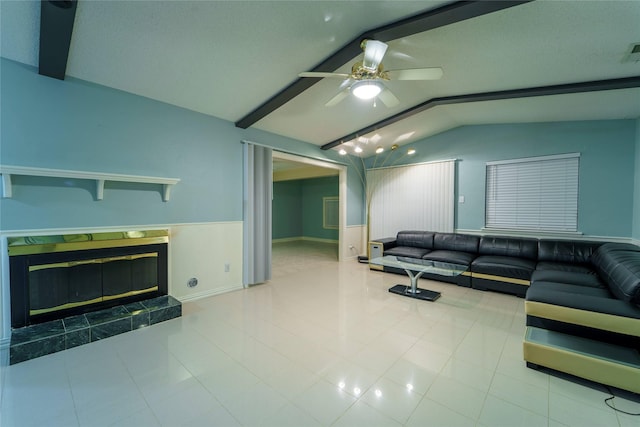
<point>460,199</point>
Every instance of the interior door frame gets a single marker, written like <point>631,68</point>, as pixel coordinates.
<point>342,190</point>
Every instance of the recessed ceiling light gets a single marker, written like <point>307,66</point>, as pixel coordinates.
<point>342,152</point>
<point>358,150</point>
<point>379,150</point>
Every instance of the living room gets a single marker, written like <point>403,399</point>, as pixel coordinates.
<point>77,124</point>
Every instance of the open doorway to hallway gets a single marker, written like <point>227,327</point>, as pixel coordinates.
<point>306,213</point>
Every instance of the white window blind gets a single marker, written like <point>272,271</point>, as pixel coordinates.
<point>413,197</point>
<point>538,193</point>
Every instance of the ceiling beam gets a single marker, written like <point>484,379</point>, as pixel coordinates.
<point>56,27</point>
<point>446,15</point>
<point>562,89</point>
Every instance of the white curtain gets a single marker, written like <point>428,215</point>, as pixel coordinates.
<point>258,187</point>
<point>412,197</point>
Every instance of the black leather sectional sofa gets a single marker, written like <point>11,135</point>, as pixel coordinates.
<point>582,297</point>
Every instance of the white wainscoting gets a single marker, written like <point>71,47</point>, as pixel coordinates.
<point>202,251</point>
<point>354,236</point>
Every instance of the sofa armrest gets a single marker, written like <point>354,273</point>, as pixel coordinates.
<point>387,242</point>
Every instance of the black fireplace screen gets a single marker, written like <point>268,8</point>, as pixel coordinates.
<point>64,285</point>
<point>46,286</point>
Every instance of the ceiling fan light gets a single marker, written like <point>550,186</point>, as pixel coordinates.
<point>366,89</point>
<point>374,51</point>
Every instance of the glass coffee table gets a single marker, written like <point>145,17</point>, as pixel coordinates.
<point>415,268</point>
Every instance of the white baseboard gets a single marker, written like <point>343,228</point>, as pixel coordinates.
<point>303,238</point>
<point>208,293</point>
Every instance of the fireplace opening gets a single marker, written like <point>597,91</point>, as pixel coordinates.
<point>54,277</point>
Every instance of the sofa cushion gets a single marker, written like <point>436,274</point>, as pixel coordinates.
<point>565,266</point>
<point>509,247</point>
<point>504,266</point>
<point>593,313</point>
<point>596,300</point>
<point>456,242</point>
<point>452,257</point>
<point>620,269</point>
<point>407,251</point>
<point>613,246</point>
<point>415,239</point>
<point>568,277</point>
<point>566,251</point>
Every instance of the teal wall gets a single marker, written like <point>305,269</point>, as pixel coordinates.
<point>297,208</point>
<point>76,125</point>
<point>287,209</point>
<point>607,166</point>
<point>636,204</point>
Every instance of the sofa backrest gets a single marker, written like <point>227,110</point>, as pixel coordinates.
<point>619,265</point>
<point>416,239</point>
<point>566,251</point>
<point>509,246</point>
<point>456,242</point>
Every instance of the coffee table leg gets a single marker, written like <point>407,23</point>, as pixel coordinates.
<point>414,281</point>
<point>413,291</point>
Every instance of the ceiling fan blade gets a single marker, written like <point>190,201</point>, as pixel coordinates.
<point>338,98</point>
<point>388,98</point>
<point>433,73</point>
<point>322,75</point>
<point>374,51</point>
<point>346,84</point>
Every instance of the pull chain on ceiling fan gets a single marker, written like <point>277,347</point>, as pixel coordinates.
<point>366,80</point>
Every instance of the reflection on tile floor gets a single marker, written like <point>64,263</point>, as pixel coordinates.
<point>326,345</point>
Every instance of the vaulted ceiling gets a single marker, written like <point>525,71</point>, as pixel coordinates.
<point>503,62</point>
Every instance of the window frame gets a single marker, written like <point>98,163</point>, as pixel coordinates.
<point>517,190</point>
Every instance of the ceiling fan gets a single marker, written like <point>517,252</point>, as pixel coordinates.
<point>367,76</point>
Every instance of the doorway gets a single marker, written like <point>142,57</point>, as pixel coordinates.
<point>291,167</point>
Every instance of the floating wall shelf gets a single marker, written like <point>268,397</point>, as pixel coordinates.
<point>99,177</point>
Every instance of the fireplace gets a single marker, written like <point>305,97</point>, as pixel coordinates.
<point>55,277</point>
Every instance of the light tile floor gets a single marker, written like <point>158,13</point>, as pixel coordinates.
<point>322,344</point>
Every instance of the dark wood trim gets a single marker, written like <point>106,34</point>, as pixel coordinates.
<point>56,28</point>
<point>446,15</point>
<point>592,86</point>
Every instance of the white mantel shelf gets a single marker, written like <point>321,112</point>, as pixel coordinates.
<point>99,177</point>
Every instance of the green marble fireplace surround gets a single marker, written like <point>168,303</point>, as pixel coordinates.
<point>62,334</point>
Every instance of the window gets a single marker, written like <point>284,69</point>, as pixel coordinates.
<point>537,194</point>
<point>330,217</point>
